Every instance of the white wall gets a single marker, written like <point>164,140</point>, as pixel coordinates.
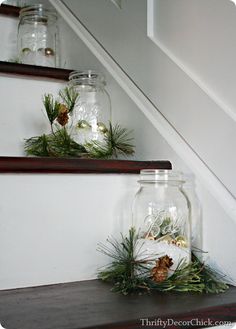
<point>51,224</point>
<point>201,34</point>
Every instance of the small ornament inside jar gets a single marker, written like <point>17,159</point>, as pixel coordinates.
<point>37,36</point>
<point>161,216</point>
<point>92,112</point>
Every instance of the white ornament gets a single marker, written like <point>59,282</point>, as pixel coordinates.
<point>234,1</point>
<point>1,327</point>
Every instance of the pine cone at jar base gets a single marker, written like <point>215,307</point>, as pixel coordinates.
<point>159,273</point>
<point>63,116</point>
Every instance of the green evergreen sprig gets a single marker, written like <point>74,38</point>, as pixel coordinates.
<point>58,144</point>
<point>131,274</point>
<point>117,141</point>
<point>69,96</point>
<point>52,107</point>
<point>37,146</point>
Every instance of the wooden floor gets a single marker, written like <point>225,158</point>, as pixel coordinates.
<point>91,304</point>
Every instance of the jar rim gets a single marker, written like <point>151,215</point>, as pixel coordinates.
<point>39,10</point>
<point>161,175</point>
<point>87,77</point>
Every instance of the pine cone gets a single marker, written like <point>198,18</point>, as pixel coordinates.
<point>159,272</point>
<point>63,116</point>
<point>165,261</point>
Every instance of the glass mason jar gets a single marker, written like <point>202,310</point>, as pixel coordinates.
<point>92,112</point>
<point>161,217</point>
<point>15,3</point>
<point>37,36</point>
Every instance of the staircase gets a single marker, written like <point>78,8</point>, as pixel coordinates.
<point>54,212</point>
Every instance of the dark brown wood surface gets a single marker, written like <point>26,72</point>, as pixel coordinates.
<point>9,10</point>
<point>76,166</point>
<point>34,71</point>
<point>91,304</point>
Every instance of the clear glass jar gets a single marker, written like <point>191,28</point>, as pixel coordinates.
<point>196,211</point>
<point>92,112</point>
<point>161,216</point>
<point>37,36</point>
<point>15,3</point>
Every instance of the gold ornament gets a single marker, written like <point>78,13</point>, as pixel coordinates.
<point>49,52</point>
<point>181,242</point>
<point>25,51</point>
<point>83,124</point>
<point>149,236</point>
<point>166,238</point>
<point>159,273</point>
<point>102,128</point>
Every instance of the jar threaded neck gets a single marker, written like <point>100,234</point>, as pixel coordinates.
<point>160,175</point>
<point>87,77</point>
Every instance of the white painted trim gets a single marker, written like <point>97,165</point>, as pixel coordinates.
<point>199,82</point>
<point>117,3</point>
<point>214,185</point>
<point>150,18</point>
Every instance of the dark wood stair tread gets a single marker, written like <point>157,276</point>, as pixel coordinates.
<point>34,71</point>
<point>91,304</point>
<point>9,10</point>
<point>77,166</point>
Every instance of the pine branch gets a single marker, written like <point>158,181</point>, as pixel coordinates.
<point>69,97</point>
<point>116,142</point>
<point>59,144</point>
<point>119,140</point>
<point>52,107</point>
<point>37,146</point>
<point>130,273</point>
<point>62,145</point>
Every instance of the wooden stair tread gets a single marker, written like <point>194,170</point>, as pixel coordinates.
<point>34,71</point>
<point>9,10</point>
<point>76,166</point>
<point>91,304</point>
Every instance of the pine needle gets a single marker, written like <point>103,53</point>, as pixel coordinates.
<point>116,142</point>
<point>69,97</point>
<point>62,145</point>
<point>130,274</point>
<point>37,146</point>
<point>119,140</point>
<point>52,107</point>
<point>59,144</point>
